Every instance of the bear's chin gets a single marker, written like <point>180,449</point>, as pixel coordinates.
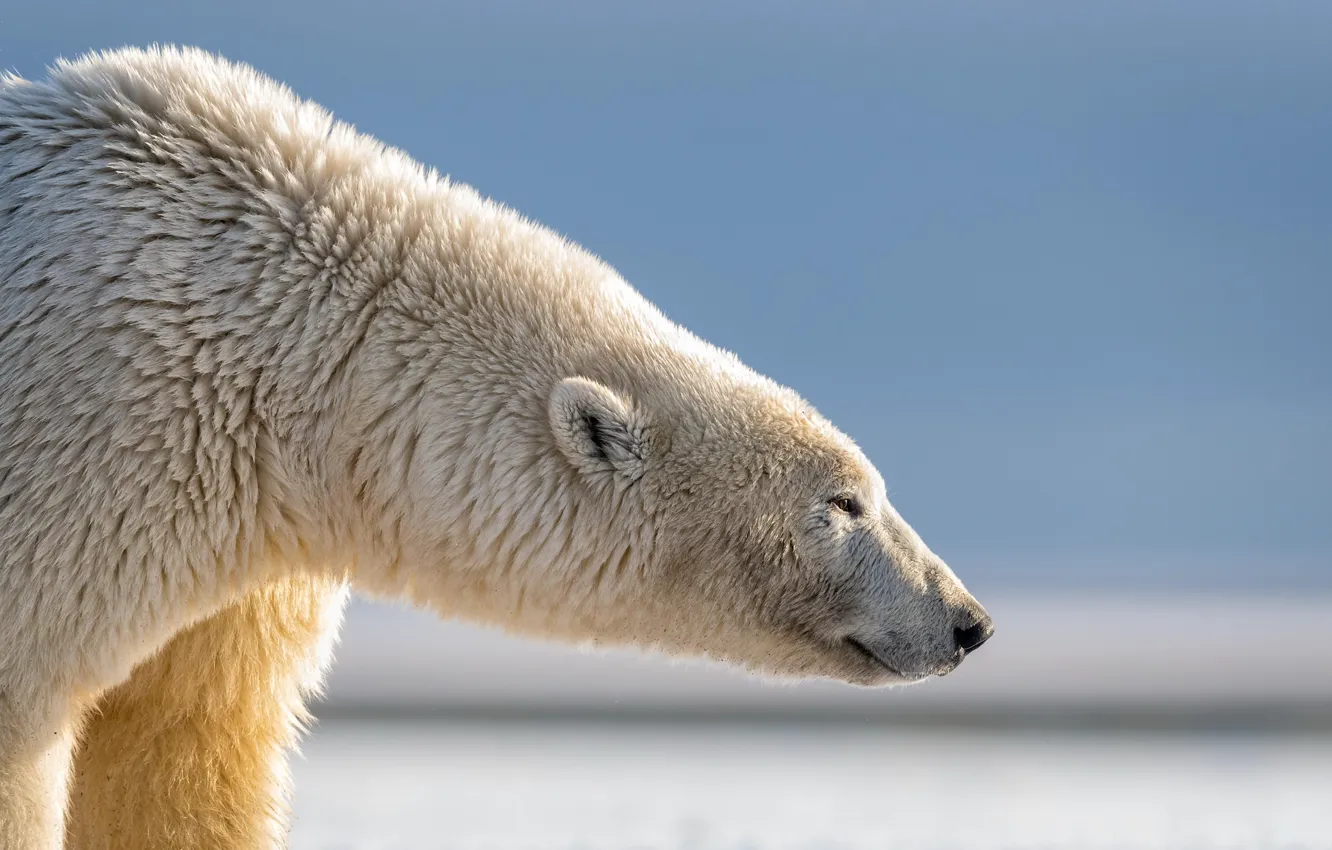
<point>847,662</point>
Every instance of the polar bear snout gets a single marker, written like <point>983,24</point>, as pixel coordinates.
<point>924,624</point>
<point>971,627</point>
<point>910,654</point>
<point>970,638</point>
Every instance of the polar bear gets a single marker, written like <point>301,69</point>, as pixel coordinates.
<point>250,357</point>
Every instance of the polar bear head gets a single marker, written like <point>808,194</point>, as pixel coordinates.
<point>767,538</point>
<point>533,445</point>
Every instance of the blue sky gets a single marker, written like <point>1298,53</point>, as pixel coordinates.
<point>1062,269</point>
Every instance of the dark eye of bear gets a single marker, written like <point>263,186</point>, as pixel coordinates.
<point>847,505</point>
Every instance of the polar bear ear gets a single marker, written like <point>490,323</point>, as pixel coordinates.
<point>597,431</point>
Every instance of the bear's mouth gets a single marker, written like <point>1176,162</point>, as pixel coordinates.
<point>863,650</point>
<point>873,657</point>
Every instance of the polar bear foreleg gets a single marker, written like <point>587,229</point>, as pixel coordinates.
<point>191,750</point>
<point>33,787</point>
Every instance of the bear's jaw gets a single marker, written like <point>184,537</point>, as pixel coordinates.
<point>877,661</point>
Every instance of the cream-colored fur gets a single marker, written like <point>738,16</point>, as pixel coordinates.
<point>162,767</point>
<point>248,355</point>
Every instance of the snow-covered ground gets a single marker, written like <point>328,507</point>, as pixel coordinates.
<point>387,786</point>
<point>852,781</point>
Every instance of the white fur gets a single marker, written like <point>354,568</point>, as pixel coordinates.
<point>248,354</point>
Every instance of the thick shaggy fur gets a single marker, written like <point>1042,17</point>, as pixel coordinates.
<point>248,355</point>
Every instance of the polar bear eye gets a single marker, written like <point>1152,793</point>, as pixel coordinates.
<point>847,505</point>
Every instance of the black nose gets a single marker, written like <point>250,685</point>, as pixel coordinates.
<point>970,639</point>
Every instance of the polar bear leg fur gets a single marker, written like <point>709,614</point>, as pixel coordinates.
<point>33,785</point>
<point>191,750</point>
